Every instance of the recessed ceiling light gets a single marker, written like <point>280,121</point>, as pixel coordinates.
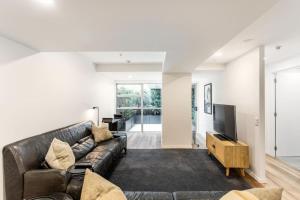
<point>46,2</point>
<point>130,76</point>
<point>248,40</point>
<point>218,54</point>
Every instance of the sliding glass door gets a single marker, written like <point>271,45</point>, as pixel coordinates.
<point>140,106</point>
<point>152,107</point>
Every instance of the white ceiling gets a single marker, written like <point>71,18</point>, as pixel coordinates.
<point>125,57</point>
<point>188,31</point>
<point>143,67</point>
<point>277,27</point>
<point>133,76</point>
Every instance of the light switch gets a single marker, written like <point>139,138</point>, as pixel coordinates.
<point>257,122</point>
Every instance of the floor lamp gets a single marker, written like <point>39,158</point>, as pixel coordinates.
<point>96,107</point>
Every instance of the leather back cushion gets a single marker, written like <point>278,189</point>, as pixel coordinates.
<point>29,153</point>
<point>83,147</point>
<point>32,151</point>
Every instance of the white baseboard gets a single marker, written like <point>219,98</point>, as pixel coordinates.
<point>177,146</point>
<point>258,179</point>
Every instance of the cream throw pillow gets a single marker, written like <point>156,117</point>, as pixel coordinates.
<point>239,195</point>
<point>101,133</point>
<point>267,193</point>
<point>60,155</point>
<point>254,194</point>
<point>97,188</point>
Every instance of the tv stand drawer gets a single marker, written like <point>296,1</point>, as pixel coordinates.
<point>211,144</point>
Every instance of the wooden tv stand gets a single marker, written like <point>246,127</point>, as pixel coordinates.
<point>230,154</point>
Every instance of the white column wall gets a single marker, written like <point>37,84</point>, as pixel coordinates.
<point>176,110</point>
<point>244,87</point>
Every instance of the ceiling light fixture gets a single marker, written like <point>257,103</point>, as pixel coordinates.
<point>218,54</point>
<point>46,2</point>
<point>248,40</point>
<point>130,76</point>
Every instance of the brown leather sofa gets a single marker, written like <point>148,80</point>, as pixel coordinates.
<point>26,175</point>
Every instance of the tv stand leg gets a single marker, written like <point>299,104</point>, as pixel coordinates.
<point>243,172</point>
<point>227,171</point>
<point>208,152</point>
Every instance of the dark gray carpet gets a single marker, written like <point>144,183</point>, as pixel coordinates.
<point>173,170</point>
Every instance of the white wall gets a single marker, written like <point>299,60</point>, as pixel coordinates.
<point>201,78</point>
<point>244,87</point>
<point>176,110</point>
<point>288,97</point>
<point>46,91</point>
<point>241,84</point>
<point>105,95</point>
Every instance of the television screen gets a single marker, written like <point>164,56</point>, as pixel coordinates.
<point>224,120</point>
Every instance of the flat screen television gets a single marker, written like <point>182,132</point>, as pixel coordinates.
<point>225,121</point>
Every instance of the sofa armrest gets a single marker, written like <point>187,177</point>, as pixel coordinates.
<point>45,182</point>
<point>117,134</point>
<point>82,165</point>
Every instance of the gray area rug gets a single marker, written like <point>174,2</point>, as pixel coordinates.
<point>173,170</point>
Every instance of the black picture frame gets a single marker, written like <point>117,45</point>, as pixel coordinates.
<point>208,98</point>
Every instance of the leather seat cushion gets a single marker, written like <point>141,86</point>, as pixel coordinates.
<point>110,145</point>
<point>149,196</point>
<point>100,161</point>
<point>198,195</point>
<point>115,145</point>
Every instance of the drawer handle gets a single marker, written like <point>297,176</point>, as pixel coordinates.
<point>213,146</point>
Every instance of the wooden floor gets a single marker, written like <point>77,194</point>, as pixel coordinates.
<point>281,175</point>
<point>144,140</point>
<point>152,140</point>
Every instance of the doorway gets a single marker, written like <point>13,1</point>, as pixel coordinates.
<point>194,113</point>
<point>286,116</point>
